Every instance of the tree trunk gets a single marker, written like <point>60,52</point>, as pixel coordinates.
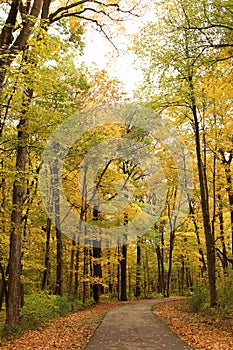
<point>221,229</point>
<point>9,49</point>
<point>14,267</point>
<point>85,272</point>
<point>97,270</point>
<point>138,270</point>
<point>71,274</point>
<point>182,275</point>
<point>76,275</point>
<point>170,261</point>
<point>210,243</point>
<point>123,296</point>
<point>160,271</point>
<point>3,293</point>
<point>45,280</point>
<point>202,257</point>
<point>118,274</point>
<point>59,290</point>
<point>229,191</point>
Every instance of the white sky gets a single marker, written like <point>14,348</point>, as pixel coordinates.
<point>99,52</point>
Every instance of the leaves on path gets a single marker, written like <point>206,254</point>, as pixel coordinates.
<point>66,333</point>
<point>200,332</point>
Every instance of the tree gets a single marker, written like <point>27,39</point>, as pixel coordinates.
<point>22,18</point>
<point>26,30</point>
<point>177,62</point>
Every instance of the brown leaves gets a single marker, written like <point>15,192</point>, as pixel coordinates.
<point>200,332</point>
<point>66,333</point>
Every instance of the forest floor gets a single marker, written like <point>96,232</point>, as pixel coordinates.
<point>70,332</point>
<point>202,332</point>
<point>75,330</point>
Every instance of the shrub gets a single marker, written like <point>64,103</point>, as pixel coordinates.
<point>199,298</point>
<point>42,307</point>
<point>225,294</point>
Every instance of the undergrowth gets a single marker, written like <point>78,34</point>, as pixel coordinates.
<point>199,301</point>
<point>38,309</point>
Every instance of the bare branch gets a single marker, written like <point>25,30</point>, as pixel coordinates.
<point>64,11</point>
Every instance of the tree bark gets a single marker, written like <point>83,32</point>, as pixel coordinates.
<point>59,290</point>
<point>210,243</point>
<point>221,229</point>
<point>123,296</point>
<point>170,261</point>
<point>14,266</point>
<point>160,270</point>
<point>71,274</point>
<point>45,280</point>
<point>138,270</point>
<point>97,270</point>
<point>202,257</point>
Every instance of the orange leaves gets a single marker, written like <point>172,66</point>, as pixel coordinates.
<point>200,332</point>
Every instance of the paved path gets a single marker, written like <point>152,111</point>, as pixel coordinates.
<point>134,327</point>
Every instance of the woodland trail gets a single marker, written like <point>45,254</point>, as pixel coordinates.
<point>134,327</point>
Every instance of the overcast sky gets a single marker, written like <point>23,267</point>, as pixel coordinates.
<point>100,52</point>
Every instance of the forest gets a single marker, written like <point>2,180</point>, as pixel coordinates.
<point>106,196</point>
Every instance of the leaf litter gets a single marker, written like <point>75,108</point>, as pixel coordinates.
<point>201,332</point>
<point>69,332</point>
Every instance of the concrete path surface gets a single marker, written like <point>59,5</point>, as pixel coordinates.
<point>133,326</point>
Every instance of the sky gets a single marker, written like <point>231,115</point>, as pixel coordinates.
<point>99,52</point>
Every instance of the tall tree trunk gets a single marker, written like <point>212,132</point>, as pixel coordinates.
<point>85,272</point>
<point>3,292</point>
<point>97,270</point>
<point>170,261</point>
<point>228,172</point>
<point>14,267</point>
<point>71,274</point>
<point>202,256</point>
<point>221,229</point>
<point>123,296</point>
<point>96,250</point>
<point>118,274</point>
<point>3,199</point>
<point>59,290</point>
<point>138,270</point>
<point>210,242</point>
<point>160,270</point>
<point>182,274</point>
<point>10,48</point>
<point>46,274</point>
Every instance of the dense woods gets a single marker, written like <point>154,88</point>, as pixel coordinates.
<point>185,52</point>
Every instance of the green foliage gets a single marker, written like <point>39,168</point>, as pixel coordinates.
<point>40,308</point>
<point>199,298</point>
<point>225,295</point>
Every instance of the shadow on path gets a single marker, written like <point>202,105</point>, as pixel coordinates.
<point>133,326</point>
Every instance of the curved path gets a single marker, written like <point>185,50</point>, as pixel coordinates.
<point>133,326</point>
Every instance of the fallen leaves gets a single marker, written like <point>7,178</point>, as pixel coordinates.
<point>72,332</point>
<point>66,333</point>
<point>200,332</point>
